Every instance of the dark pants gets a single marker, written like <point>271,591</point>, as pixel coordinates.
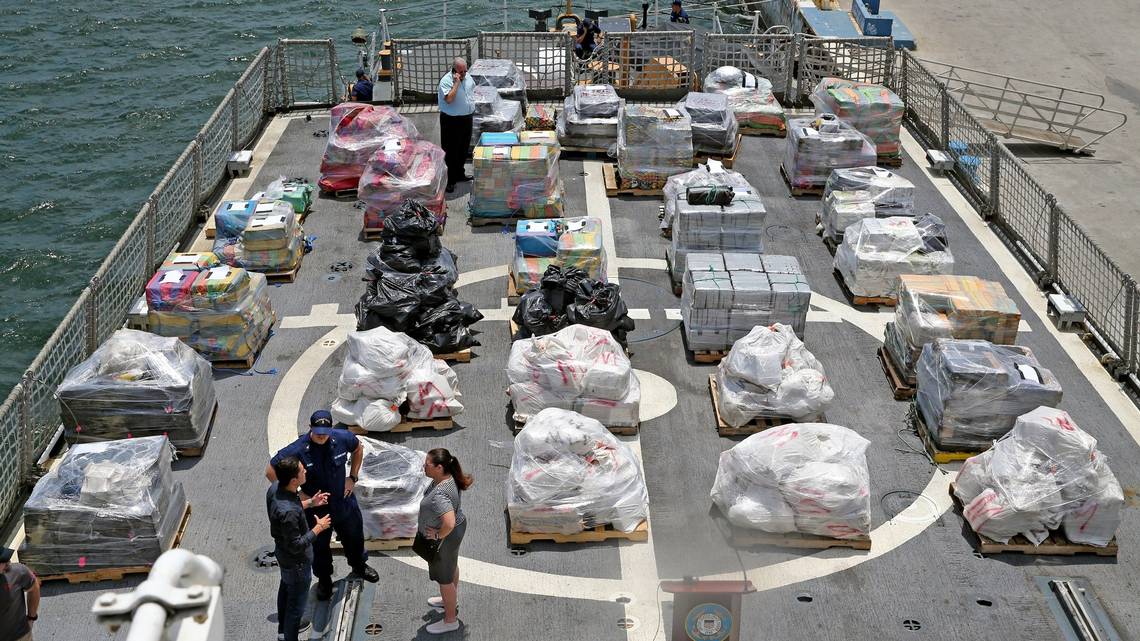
<point>455,139</point>
<point>349,528</point>
<point>292,596</point>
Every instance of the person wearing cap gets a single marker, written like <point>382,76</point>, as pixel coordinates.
<point>326,452</point>
<point>19,598</point>
<point>677,14</point>
<point>362,90</point>
<point>584,43</point>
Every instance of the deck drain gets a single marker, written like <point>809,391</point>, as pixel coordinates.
<point>622,598</point>
<point>518,550</point>
<point>264,559</point>
<point>340,266</point>
<point>329,342</point>
<point>628,623</point>
<point>912,625</point>
<point>804,597</point>
<point>373,629</point>
<point>332,278</point>
<point>985,603</point>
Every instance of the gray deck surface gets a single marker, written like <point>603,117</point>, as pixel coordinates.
<point>934,578</point>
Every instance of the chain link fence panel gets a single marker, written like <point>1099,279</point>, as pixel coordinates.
<point>1085,272</point>
<point>250,97</point>
<point>858,59</point>
<point>120,280</point>
<point>12,434</point>
<point>308,73</point>
<point>1023,209</point>
<point>420,64</point>
<point>546,60</point>
<point>771,56</point>
<point>645,65</point>
<point>216,143</point>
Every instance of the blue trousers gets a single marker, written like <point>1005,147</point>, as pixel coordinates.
<point>292,596</point>
<point>349,527</point>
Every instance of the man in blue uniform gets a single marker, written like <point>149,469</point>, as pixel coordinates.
<point>677,14</point>
<point>325,452</point>
<point>362,90</point>
<point>584,41</point>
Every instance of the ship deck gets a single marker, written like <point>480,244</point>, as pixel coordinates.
<point>921,568</point>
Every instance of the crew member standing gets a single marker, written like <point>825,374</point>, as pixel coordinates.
<point>677,14</point>
<point>325,452</point>
<point>19,599</point>
<point>293,542</point>
<point>456,115</point>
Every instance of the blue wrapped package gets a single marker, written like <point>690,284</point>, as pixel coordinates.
<point>490,138</point>
<point>537,237</point>
<point>231,216</point>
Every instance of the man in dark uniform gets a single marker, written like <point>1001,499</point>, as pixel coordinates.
<point>324,452</point>
<point>677,14</point>
<point>584,41</point>
<point>362,90</point>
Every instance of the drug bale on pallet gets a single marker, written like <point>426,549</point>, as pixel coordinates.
<point>714,126</point>
<point>113,504</point>
<point>970,392</point>
<point>404,169</point>
<point>749,97</point>
<point>577,368</point>
<point>715,219</point>
<point>816,146</point>
<point>297,192</point>
<point>137,384</point>
<point>357,130</point>
<point>568,474</point>
<point>710,174</point>
<point>770,372</point>
<point>267,238</point>
<point>653,144</point>
<point>876,251</point>
<point>500,74</point>
<point>494,114</point>
<point>808,477</point>
<point>932,307</point>
<point>390,488</point>
<point>589,117</point>
<point>516,181</point>
<point>1046,474</point>
<point>565,242</point>
<point>877,112</point>
<point>891,194</point>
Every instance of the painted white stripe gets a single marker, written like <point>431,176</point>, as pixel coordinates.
<point>673,314</point>
<point>281,423</point>
<point>598,206</point>
<point>273,131</point>
<point>480,275</point>
<point>640,263</point>
<point>639,314</point>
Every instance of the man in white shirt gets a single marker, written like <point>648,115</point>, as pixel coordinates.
<point>456,115</point>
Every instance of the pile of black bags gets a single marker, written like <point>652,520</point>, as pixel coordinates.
<point>411,285</point>
<point>570,297</point>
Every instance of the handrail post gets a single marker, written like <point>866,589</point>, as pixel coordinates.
<point>901,81</point>
<point>151,231</point>
<point>945,117</point>
<point>505,28</point>
<point>92,313</point>
<point>197,191</point>
<point>24,431</point>
<point>445,19</point>
<point>1054,239</point>
<point>993,210</point>
<point>334,90</point>
<point>235,105</point>
<point>1130,311</point>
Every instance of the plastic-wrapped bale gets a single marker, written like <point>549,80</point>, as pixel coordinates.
<point>540,118</point>
<point>223,312</point>
<point>189,261</point>
<point>569,474</point>
<point>567,242</point>
<point>971,392</point>
<point>842,209</point>
<point>501,74</point>
<point>568,296</point>
<point>577,368</point>
<point>107,505</point>
<point>890,193</point>
<point>876,251</point>
<point>714,126</point>
<point>297,192</point>
<point>390,488</point>
<point>723,296</point>
<point>404,170</point>
<point>494,114</point>
<point>808,477</point>
<point>757,110</point>
<point>138,384</point>
<point>816,146</point>
<point>770,373</point>
<point>538,138</point>
<point>518,181</point>
<point>267,239</point>
<point>698,227</point>
<point>872,109</point>
<point>589,117</point>
<point>1045,474</point>
<point>653,144</point>
<point>931,307</point>
<point>712,174</point>
<point>356,131</point>
<point>385,372</point>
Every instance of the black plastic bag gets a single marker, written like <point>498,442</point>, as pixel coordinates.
<point>412,220</point>
<point>560,286</point>
<point>391,301</point>
<point>710,195</point>
<point>443,328</point>
<point>600,305</point>
<point>534,315</point>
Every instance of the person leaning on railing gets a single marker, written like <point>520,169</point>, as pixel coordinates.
<point>456,117</point>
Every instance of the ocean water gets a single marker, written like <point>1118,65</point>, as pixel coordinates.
<point>97,100</point>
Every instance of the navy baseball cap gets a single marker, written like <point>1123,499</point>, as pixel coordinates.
<point>360,73</point>
<point>6,555</point>
<point>321,422</point>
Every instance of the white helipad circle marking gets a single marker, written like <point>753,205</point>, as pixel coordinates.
<point>658,395</point>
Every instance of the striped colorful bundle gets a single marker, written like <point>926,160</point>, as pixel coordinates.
<point>877,112</point>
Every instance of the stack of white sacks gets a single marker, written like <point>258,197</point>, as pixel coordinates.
<point>771,373</point>
<point>392,482</point>
<point>577,368</point>
<point>876,251</point>
<point>1045,474</point>
<point>569,473</point>
<point>808,477</point>
<point>382,370</point>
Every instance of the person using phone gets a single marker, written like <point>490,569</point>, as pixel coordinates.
<point>293,542</point>
<point>456,117</point>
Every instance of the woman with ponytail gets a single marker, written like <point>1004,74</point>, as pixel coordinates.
<point>441,527</point>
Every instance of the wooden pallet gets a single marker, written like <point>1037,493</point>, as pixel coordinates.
<point>614,186</point>
<point>1056,544</point>
<point>284,277</point>
<point>672,281</point>
<point>758,424</point>
<point>861,300</point>
<point>340,194</point>
<point>409,424</point>
<point>375,545</point>
<point>192,452</point>
<point>748,538</point>
<point>592,151</point>
<point>595,535</point>
<point>816,190</point>
<point>903,390</point>
<point>117,574</point>
<point>938,455</point>
<point>462,356</point>
<point>513,294</point>
<point>373,233</point>
<point>727,161</point>
<point>890,161</point>
<point>777,132</point>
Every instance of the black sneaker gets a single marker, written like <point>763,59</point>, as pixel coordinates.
<point>367,573</point>
<point>324,589</point>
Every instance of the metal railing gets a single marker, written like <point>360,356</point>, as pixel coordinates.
<point>546,60</point>
<point>656,65</point>
<point>770,56</point>
<point>1058,253</point>
<point>291,74</point>
<point>419,63</point>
